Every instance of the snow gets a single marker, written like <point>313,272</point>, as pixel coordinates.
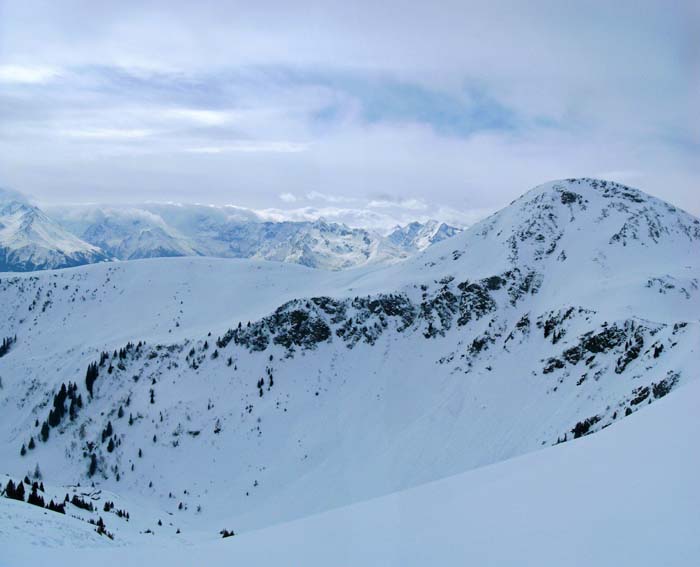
<point>625,496</point>
<point>158,230</point>
<point>115,302</point>
<point>82,234</point>
<point>29,240</point>
<point>419,236</point>
<point>388,416</point>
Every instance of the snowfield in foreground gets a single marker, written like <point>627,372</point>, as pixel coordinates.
<point>628,495</point>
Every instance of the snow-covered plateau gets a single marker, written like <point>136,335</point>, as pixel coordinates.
<point>523,392</point>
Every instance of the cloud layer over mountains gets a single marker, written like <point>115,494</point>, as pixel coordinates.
<point>227,103</point>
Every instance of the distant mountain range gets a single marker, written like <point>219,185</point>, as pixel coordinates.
<point>66,236</point>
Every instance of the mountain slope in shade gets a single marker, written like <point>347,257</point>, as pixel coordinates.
<point>266,392</point>
<point>29,240</point>
<point>589,502</point>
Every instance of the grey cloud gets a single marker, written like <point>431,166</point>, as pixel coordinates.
<point>456,104</point>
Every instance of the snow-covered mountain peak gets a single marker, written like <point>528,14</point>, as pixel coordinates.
<point>420,236</point>
<point>620,213</point>
<point>29,240</point>
<point>574,224</point>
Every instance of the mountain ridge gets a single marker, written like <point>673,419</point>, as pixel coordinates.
<point>184,230</point>
<point>29,240</point>
<point>552,319</point>
<point>76,235</point>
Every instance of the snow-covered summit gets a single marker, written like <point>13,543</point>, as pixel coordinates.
<point>29,240</point>
<point>418,236</point>
<point>571,229</point>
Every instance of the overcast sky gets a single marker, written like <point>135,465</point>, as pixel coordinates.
<point>409,109</point>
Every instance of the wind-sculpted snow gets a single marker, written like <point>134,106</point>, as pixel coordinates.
<point>238,395</point>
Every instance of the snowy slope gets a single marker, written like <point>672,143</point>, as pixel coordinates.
<point>29,240</point>
<point>158,300</point>
<point>626,496</point>
<point>161,230</point>
<point>565,312</point>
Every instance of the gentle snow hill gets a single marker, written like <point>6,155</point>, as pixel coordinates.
<point>157,300</point>
<point>625,496</point>
<point>554,318</point>
<point>29,240</point>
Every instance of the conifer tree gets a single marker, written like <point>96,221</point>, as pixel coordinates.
<point>54,507</point>
<point>10,489</point>
<point>20,492</point>
<point>92,469</point>
<point>91,376</point>
<point>45,432</point>
<point>35,498</point>
<point>73,409</point>
<point>107,431</point>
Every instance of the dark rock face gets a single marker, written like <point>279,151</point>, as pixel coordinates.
<point>589,345</point>
<point>306,323</point>
<point>475,300</point>
<point>584,427</point>
<point>655,391</point>
<point>568,197</point>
